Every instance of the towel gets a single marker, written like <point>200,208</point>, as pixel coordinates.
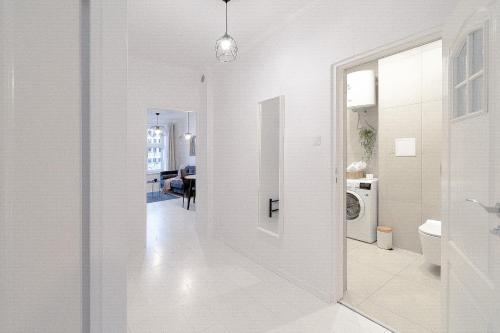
<point>356,166</point>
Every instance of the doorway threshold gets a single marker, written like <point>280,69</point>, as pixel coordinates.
<point>367,316</point>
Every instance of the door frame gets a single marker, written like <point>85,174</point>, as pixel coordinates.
<point>105,141</point>
<point>339,156</point>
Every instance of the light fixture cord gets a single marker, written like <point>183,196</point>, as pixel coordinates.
<point>226,18</point>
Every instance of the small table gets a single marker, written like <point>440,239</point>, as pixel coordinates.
<point>153,182</point>
<point>191,180</point>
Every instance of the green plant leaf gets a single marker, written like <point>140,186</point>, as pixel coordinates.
<point>367,139</point>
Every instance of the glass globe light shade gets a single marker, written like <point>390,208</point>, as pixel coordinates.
<point>226,49</point>
<point>188,136</point>
<point>156,130</point>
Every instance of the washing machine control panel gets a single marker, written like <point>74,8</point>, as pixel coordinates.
<point>365,186</point>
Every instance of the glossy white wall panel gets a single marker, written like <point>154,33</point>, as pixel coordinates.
<point>40,260</point>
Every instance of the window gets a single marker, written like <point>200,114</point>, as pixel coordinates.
<point>155,152</point>
<point>469,76</point>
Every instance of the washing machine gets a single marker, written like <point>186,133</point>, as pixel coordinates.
<point>361,212</point>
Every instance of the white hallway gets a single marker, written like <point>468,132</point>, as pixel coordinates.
<point>41,236</point>
<point>188,281</point>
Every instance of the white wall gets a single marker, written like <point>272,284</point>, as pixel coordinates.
<point>158,86</point>
<point>296,62</point>
<point>40,199</point>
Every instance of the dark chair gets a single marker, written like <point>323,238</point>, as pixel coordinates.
<point>178,185</point>
<point>186,192</point>
<point>190,170</point>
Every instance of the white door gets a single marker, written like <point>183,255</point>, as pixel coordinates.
<point>471,232</point>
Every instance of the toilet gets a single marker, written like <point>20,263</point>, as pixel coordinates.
<point>430,238</point>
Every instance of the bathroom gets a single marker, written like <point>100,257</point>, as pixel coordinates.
<point>393,142</point>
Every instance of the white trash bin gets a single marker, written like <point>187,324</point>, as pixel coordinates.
<point>384,237</point>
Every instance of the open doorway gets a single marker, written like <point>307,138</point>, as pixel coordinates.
<point>170,165</point>
<point>390,151</point>
<point>171,158</point>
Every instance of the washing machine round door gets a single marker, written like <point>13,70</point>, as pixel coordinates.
<point>355,207</point>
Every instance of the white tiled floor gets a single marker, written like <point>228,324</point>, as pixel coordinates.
<point>395,287</point>
<point>186,281</point>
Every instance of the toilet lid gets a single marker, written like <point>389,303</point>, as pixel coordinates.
<point>431,227</point>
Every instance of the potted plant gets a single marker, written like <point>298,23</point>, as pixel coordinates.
<point>367,139</point>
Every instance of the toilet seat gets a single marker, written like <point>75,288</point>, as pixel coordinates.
<point>431,228</point>
<point>430,238</point>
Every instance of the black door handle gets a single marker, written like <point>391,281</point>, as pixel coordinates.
<point>271,210</point>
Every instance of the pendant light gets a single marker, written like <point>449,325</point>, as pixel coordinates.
<point>225,48</point>
<point>156,130</point>
<point>188,135</point>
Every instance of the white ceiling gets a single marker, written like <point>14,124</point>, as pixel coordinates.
<point>184,32</point>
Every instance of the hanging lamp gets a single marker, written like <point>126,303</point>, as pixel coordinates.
<point>157,130</point>
<point>188,135</point>
<point>226,49</point>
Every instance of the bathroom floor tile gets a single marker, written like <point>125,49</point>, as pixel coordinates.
<point>390,261</point>
<point>364,280</point>
<point>423,273</point>
<point>412,301</point>
<point>397,288</point>
<point>352,244</point>
<point>352,298</point>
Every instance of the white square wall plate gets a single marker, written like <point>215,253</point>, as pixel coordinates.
<point>405,147</point>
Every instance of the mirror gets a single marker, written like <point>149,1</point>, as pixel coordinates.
<point>271,134</point>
